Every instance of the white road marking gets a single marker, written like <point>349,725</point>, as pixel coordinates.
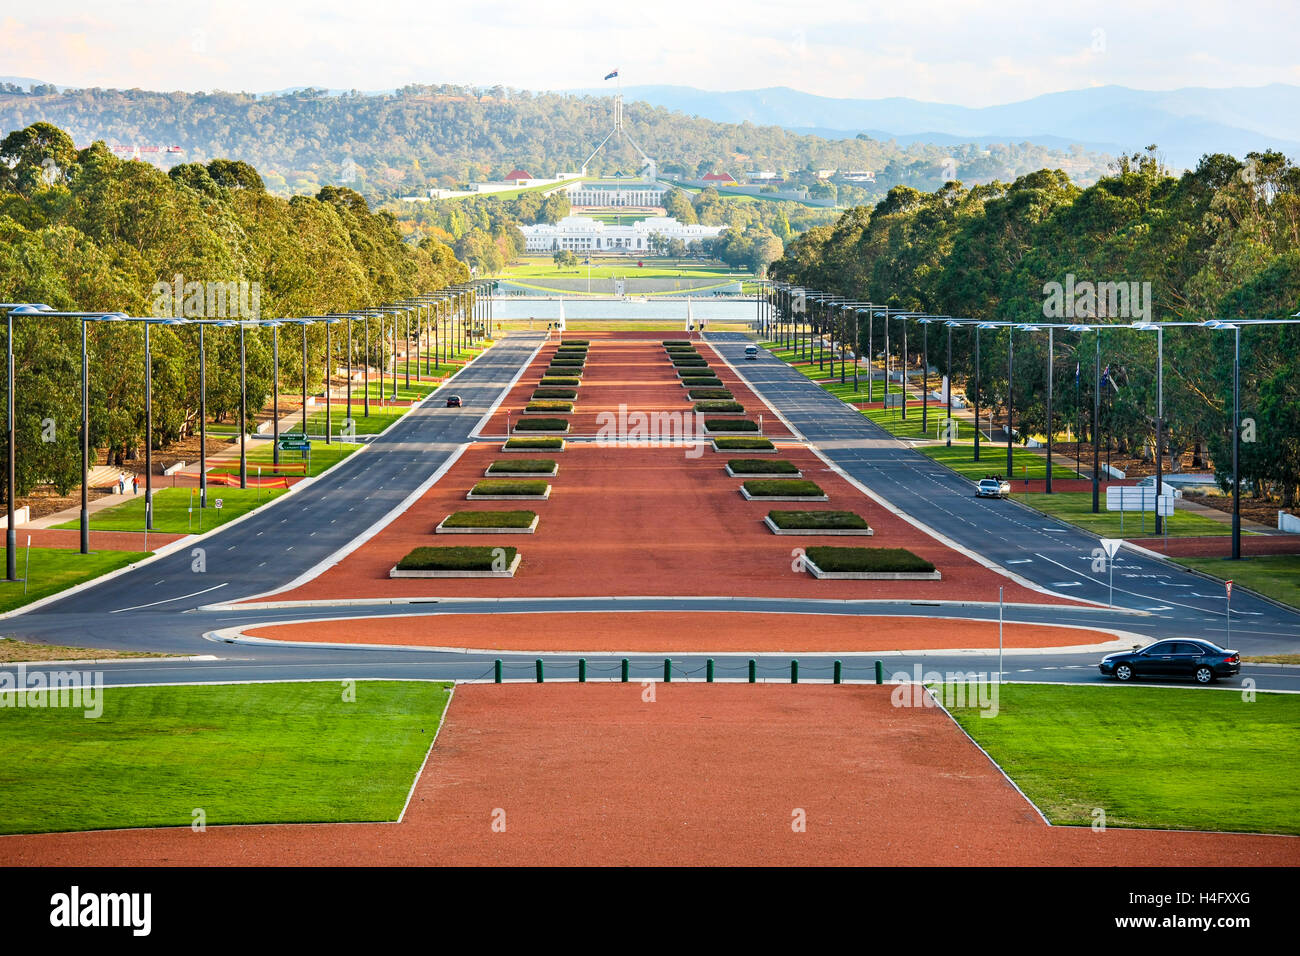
<point>169,600</point>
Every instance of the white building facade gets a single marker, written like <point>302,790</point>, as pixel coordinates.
<point>582,234</point>
<point>613,193</point>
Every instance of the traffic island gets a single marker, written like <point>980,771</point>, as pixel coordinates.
<point>709,393</point>
<point>567,342</point>
<point>782,489</point>
<point>502,489</point>
<point>457,562</point>
<point>537,467</point>
<point>711,381</point>
<point>549,408</point>
<point>762,468</point>
<point>720,407</point>
<point>562,371</point>
<point>545,426</point>
<point>541,394</point>
<point>534,444</point>
<point>754,445</point>
<point>488,522</point>
<point>817,522</point>
<point>868,564</point>
<point>560,380</point>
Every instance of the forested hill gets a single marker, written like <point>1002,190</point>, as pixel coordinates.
<point>422,136</point>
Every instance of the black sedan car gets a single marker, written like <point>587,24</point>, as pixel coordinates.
<point>453,401</point>
<point>1200,660</point>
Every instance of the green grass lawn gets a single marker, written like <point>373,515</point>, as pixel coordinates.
<point>993,461</point>
<point>53,569</point>
<point>378,420</point>
<point>1275,575</point>
<point>1149,757</point>
<point>1076,508</point>
<point>262,454</point>
<point>171,513</point>
<point>252,753</point>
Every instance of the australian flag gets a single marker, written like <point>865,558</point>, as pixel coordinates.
<point>610,76</point>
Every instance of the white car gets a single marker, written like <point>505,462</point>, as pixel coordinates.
<point>992,488</point>
<point>751,351</point>
<point>1166,488</point>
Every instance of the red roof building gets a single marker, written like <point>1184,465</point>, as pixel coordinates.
<point>724,178</point>
<point>516,175</point>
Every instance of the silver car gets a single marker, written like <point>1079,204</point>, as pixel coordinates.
<point>992,488</point>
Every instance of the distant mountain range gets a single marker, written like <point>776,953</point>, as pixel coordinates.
<point>1184,123</point>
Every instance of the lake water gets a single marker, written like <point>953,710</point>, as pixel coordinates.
<point>628,310</point>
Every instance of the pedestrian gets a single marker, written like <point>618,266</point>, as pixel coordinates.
<point>135,484</point>
<point>121,482</point>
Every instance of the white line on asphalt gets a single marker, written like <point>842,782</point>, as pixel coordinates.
<point>169,600</point>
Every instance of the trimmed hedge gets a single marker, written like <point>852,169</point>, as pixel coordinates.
<point>730,425</point>
<point>702,382</point>
<point>681,350</point>
<point>541,425</point>
<point>489,519</point>
<point>454,559</point>
<point>764,466</point>
<point>696,372</point>
<point>560,360</point>
<point>561,371</point>
<point>738,443</point>
<point>542,466</point>
<point>509,486</point>
<point>818,521</point>
<point>698,394</point>
<point>720,407</point>
<point>867,559</point>
<point>691,361</point>
<point>531,444</point>
<point>569,393</point>
<point>767,487</point>
<point>583,342</point>
<point>678,342</point>
<point>549,406</point>
<point>560,380</point>
<point>572,351</point>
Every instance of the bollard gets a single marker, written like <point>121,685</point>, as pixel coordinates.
<point>880,672</point>
<point>753,670</point>
<point>496,670</point>
<point>623,668</point>
<point>668,670</point>
<point>582,670</point>
<point>839,672</point>
<point>540,676</point>
<point>794,671</point>
<point>708,670</point>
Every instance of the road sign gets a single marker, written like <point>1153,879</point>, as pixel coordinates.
<point>1111,545</point>
<point>218,504</point>
<point>295,443</point>
<point>1228,585</point>
<point>1125,498</point>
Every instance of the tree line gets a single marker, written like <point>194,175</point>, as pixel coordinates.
<point>81,230</point>
<point>1221,241</point>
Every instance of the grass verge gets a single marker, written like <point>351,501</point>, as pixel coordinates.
<point>249,753</point>
<point>171,514</point>
<point>1273,575</point>
<point>1164,757</point>
<point>1076,508</point>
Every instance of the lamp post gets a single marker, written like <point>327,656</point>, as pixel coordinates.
<point>274,326</point>
<point>243,409</point>
<point>1160,412</point>
<point>329,321</point>
<point>947,392</point>
<point>1235,329</point>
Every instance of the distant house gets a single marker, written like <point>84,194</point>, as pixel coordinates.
<point>718,179</point>
<point>518,176</point>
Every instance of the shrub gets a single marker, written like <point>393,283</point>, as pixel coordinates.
<point>702,393</point>
<point>533,444</point>
<point>454,559</point>
<point>523,465</point>
<point>867,559</point>
<point>737,443</point>
<point>509,486</point>
<point>561,371</point>
<point>569,393</point>
<point>560,380</point>
<point>564,361</point>
<point>541,425</point>
<point>768,487</point>
<point>690,361</point>
<point>702,382</point>
<point>681,350</point>
<point>765,466</point>
<point>572,351</point>
<point>730,425</point>
<point>818,521</point>
<point>583,342</point>
<point>549,406</point>
<point>696,372</point>
<point>489,519</point>
<point>720,407</point>
<point>678,342</point>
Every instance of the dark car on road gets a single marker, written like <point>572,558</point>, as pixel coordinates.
<point>1201,661</point>
<point>453,401</point>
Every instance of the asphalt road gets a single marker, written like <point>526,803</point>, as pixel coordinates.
<point>165,606</point>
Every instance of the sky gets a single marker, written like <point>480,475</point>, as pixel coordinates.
<point>969,53</point>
